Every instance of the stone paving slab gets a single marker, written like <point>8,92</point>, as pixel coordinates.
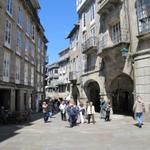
<point>119,134</point>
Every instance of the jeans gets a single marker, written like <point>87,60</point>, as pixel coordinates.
<point>139,117</point>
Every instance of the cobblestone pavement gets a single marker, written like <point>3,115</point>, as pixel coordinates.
<point>119,134</point>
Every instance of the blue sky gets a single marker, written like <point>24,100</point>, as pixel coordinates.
<point>57,18</point>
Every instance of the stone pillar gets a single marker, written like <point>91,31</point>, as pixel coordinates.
<point>22,100</point>
<point>12,100</point>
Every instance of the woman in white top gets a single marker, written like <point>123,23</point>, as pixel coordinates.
<point>91,112</point>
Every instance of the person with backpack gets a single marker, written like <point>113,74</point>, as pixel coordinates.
<point>72,111</point>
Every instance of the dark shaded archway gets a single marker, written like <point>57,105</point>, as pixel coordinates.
<point>92,91</point>
<point>75,93</point>
<point>122,95</point>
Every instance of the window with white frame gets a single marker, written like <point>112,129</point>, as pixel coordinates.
<point>28,23</point>
<point>8,27</point>
<point>9,6</point>
<point>143,13</point>
<point>116,33</point>
<point>17,74</point>
<point>26,46</point>
<point>32,76</point>
<point>83,20</point>
<point>33,32</point>
<point>39,44</point>
<point>19,42</point>
<point>38,82</point>
<point>26,74</point>
<point>20,16</point>
<point>38,66</point>
<point>6,66</point>
<point>92,11</point>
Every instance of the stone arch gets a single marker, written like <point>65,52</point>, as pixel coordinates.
<point>121,90</point>
<point>92,91</point>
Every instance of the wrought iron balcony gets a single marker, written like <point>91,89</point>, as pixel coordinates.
<point>72,75</point>
<point>90,44</point>
<point>105,4</point>
<point>109,41</point>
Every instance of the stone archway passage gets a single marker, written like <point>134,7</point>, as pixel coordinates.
<point>122,97</point>
<point>92,92</point>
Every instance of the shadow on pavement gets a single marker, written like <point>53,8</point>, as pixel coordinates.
<point>9,130</point>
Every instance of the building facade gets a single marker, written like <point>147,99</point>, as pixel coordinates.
<point>63,83</point>
<point>22,55</point>
<point>52,80</point>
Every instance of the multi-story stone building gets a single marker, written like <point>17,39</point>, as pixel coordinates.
<point>22,55</point>
<point>75,68</point>
<point>64,83</point>
<point>113,42</point>
<point>52,80</point>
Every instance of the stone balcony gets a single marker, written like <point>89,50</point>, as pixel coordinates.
<point>90,44</point>
<point>104,5</point>
<point>110,42</point>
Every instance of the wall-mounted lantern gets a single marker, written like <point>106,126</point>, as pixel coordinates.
<point>124,52</point>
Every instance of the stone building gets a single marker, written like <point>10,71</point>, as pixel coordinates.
<point>52,80</point>
<point>22,55</point>
<point>75,63</point>
<point>113,46</point>
<point>63,83</point>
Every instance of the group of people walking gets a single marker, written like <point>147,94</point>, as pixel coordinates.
<point>84,113</point>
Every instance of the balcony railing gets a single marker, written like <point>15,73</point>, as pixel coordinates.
<point>108,41</point>
<point>90,44</point>
<point>73,75</point>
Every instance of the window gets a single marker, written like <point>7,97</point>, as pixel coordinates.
<point>84,37</point>
<point>83,20</point>
<point>6,66</point>
<point>19,42</point>
<point>26,74</point>
<point>92,12</point>
<point>17,75</point>
<point>143,13</point>
<point>33,32</point>
<point>32,76</point>
<point>92,31</point>
<point>20,16</point>
<point>28,26</point>
<point>39,44</point>
<point>116,33</point>
<point>8,33</point>
<point>9,6</point>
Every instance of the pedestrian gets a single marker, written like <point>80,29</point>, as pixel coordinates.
<point>82,113</point>
<point>102,108</point>
<point>62,108</point>
<point>91,112</point>
<point>50,109</point>
<point>72,111</point>
<point>139,109</point>
<point>45,111</point>
<point>107,109</point>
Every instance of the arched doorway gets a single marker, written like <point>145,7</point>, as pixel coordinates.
<point>92,92</point>
<point>122,95</point>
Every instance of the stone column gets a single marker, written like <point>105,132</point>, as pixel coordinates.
<point>12,100</point>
